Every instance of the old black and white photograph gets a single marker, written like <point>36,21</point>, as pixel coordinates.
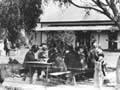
<point>59,44</point>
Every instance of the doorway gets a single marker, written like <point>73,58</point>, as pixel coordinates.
<point>83,39</point>
<point>112,38</point>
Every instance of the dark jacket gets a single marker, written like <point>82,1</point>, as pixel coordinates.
<point>93,56</point>
<point>72,60</point>
<point>29,57</point>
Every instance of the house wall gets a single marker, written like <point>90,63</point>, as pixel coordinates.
<point>101,38</point>
<point>40,37</point>
<point>44,37</point>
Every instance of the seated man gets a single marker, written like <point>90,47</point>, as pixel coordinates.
<point>43,54</point>
<point>59,64</point>
<point>30,56</point>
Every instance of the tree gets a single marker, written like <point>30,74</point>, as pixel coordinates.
<point>110,8</point>
<point>30,13</point>
<point>18,14</point>
<point>10,18</point>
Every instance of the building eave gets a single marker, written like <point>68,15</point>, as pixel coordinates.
<point>79,28</point>
<point>78,23</point>
<point>94,25</point>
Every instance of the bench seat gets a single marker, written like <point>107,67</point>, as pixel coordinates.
<point>59,73</point>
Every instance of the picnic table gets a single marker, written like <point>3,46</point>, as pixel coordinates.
<point>36,64</point>
<point>73,71</point>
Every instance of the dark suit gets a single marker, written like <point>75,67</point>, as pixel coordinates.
<point>30,57</point>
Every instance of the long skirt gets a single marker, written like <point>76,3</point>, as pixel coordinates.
<point>98,74</point>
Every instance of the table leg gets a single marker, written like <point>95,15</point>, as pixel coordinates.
<point>30,70</point>
<point>74,79</point>
<point>47,73</point>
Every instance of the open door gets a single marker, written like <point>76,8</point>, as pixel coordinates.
<point>112,39</point>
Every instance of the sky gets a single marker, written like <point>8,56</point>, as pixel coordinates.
<point>53,13</point>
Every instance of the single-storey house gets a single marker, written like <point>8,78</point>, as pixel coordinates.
<point>88,25</point>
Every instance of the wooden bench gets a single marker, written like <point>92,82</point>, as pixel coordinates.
<point>58,74</point>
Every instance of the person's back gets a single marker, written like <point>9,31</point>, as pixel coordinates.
<point>72,60</point>
<point>30,56</point>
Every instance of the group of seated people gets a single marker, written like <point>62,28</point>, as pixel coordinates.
<point>72,59</point>
<point>35,54</point>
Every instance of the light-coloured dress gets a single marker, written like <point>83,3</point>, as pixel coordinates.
<point>98,74</point>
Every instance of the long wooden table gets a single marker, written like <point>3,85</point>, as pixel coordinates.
<point>37,64</point>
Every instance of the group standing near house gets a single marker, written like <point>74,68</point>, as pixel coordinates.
<point>72,59</point>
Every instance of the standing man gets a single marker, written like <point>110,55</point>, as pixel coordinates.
<point>7,47</point>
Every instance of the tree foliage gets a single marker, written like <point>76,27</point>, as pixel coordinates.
<point>10,18</point>
<point>110,8</point>
<point>61,40</point>
<point>30,12</point>
<point>17,14</point>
